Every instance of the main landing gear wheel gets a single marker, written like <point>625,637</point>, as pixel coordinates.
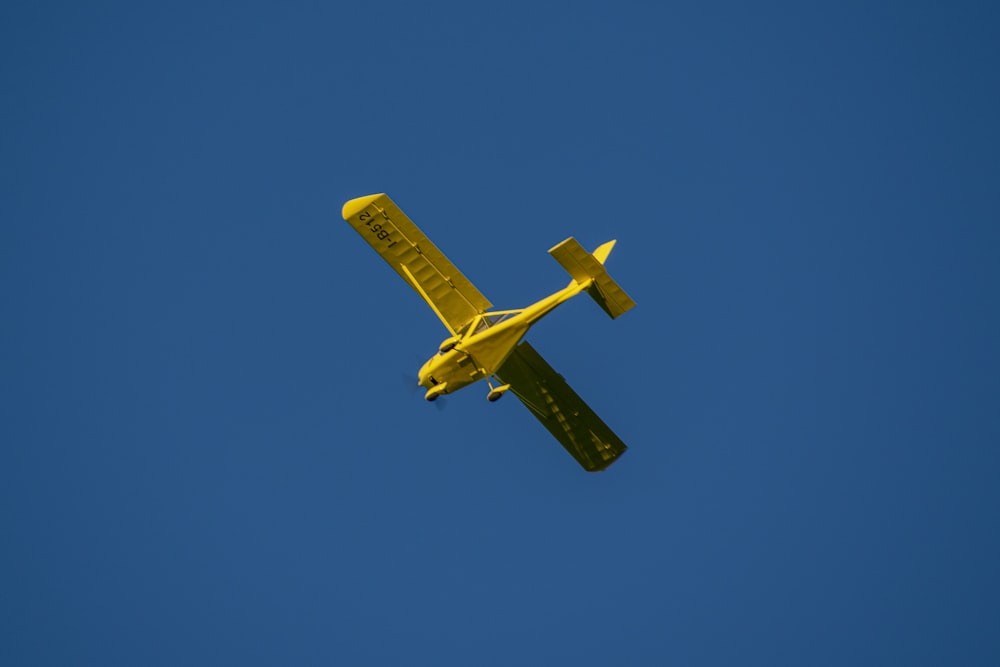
<point>496,393</point>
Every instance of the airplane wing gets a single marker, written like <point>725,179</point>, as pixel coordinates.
<point>418,261</point>
<point>560,409</point>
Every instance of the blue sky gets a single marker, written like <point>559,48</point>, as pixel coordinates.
<point>208,456</point>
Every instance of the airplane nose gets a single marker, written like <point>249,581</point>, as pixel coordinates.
<point>423,375</point>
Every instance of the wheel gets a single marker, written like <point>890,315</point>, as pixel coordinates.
<point>495,394</point>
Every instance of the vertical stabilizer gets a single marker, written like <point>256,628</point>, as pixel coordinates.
<point>603,250</point>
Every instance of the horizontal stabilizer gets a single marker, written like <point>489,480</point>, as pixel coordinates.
<point>589,268</point>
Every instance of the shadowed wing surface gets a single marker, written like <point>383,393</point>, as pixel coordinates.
<point>560,409</point>
<point>418,261</point>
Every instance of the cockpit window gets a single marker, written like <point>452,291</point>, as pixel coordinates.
<point>483,322</point>
<point>497,319</point>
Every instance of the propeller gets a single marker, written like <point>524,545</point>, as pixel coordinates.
<point>410,382</point>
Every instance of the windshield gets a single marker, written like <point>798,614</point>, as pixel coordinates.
<point>482,322</point>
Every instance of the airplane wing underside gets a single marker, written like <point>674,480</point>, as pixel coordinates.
<point>418,261</point>
<point>560,409</point>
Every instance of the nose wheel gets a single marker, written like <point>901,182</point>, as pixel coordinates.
<point>496,392</point>
<point>435,391</point>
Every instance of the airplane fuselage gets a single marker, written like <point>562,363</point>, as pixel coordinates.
<point>481,351</point>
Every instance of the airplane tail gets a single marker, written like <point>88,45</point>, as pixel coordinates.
<point>587,269</point>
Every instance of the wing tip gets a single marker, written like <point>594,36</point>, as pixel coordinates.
<point>355,206</point>
<point>604,464</point>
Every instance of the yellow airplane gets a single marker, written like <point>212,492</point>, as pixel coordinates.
<point>487,344</point>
